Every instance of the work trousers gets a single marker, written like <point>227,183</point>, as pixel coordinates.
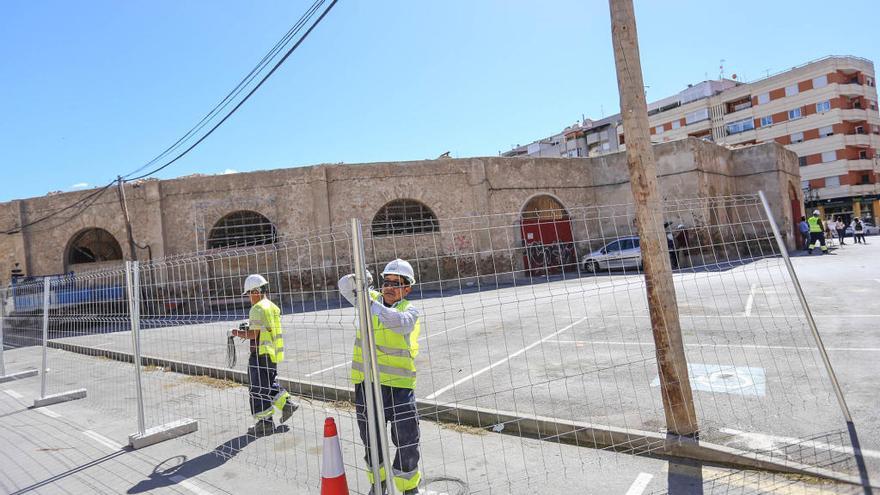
<point>860,237</point>
<point>817,238</point>
<point>265,394</point>
<point>806,240</point>
<point>400,410</point>
<point>841,234</point>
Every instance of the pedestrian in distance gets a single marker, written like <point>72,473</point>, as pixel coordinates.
<point>266,351</point>
<point>817,233</point>
<point>804,228</point>
<point>841,230</point>
<point>396,328</point>
<point>858,231</point>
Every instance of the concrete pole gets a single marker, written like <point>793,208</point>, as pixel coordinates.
<point>678,401</point>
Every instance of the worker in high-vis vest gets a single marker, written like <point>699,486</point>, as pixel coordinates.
<point>267,350</point>
<point>396,335</point>
<point>817,233</point>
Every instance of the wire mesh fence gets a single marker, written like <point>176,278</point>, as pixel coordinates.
<point>534,345</point>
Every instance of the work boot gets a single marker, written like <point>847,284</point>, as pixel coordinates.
<point>373,489</point>
<point>262,428</point>
<point>287,411</point>
<point>414,491</point>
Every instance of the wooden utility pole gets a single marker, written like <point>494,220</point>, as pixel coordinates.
<point>678,400</point>
<point>132,246</point>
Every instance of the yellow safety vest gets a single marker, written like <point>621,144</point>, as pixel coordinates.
<point>266,317</point>
<point>395,353</point>
<point>815,224</point>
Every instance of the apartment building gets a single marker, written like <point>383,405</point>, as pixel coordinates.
<point>824,110</point>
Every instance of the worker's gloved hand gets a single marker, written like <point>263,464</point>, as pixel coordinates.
<point>229,334</point>
<point>369,278</point>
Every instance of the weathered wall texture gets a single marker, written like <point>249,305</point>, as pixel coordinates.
<point>174,216</point>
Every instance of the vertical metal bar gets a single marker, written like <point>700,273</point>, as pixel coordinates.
<point>3,295</point>
<point>45,369</point>
<point>803,300</point>
<point>372,386</point>
<point>132,281</point>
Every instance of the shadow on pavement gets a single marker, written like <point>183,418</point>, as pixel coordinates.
<point>165,474</point>
<point>685,477</point>
<point>69,472</point>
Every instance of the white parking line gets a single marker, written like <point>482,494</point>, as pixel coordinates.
<point>750,301</point>
<point>45,411</point>
<point>641,482</point>
<point>423,337</point>
<point>14,394</point>
<point>328,369</point>
<point>736,346</point>
<point>180,480</point>
<point>765,440</point>
<point>497,363</point>
<point>102,440</point>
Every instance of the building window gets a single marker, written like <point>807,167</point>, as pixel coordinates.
<point>863,154</point>
<point>404,216</point>
<point>763,98</point>
<point>869,81</point>
<point>805,184</point>
<point>93,245</point>
<point>875,129</point>
<point>864,179</point>
<point>242,228</point>
<point>797,137</point>
<point>860,129</point>
<point>740,126</point>
<point>676,124</point>
<point>767,121</point>
<point>823,106</point>
<point>794,114</point>
<point>832,181</point>
<point>658,129</point>
<point>820,82</point>
<point>829,156</point>
<point>791,90</point>
<point>802,161</point>
<point>826,131</point>
<point>696,116</point>
<point>873,105</point>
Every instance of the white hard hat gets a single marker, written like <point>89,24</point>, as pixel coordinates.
<point>401,268</point>
<point>815,212</point>
<point>254,281</point>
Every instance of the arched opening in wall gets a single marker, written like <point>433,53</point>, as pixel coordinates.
<point>546,236</point>
<point>403,217</point>
<point>242,228</point>
<point>92,245</point>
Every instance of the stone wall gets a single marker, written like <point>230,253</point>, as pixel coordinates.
<point>174,216</point>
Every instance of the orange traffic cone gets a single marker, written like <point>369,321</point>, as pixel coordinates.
<point>332,470</point>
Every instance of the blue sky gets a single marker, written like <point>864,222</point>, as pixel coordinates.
<point>91,90</point>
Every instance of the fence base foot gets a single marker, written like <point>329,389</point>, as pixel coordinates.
<point>62,397</point>
<point>167,431</point>
<point>18,376</point>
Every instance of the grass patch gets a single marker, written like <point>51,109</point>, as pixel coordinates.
<point>471,430</point>
<point>212,382</point>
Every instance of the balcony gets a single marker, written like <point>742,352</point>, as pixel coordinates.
<point>849,89</point>
<point>860,140</point>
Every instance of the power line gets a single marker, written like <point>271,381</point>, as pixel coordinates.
<point>237,89</point>
<point>246,97</point>
<point>94,196</point>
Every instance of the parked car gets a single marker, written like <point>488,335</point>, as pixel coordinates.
<point>621,253</point>
<point>870,229</point>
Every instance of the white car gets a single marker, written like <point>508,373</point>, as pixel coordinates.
<point>621,253</point>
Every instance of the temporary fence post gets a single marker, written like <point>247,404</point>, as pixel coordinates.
<point>372,386</point>
<point>132,281</point>
<point>806,307</point>
<point>851,427</point>
<point>45,365</point>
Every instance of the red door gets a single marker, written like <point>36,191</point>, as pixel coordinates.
<point>549,246</point>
